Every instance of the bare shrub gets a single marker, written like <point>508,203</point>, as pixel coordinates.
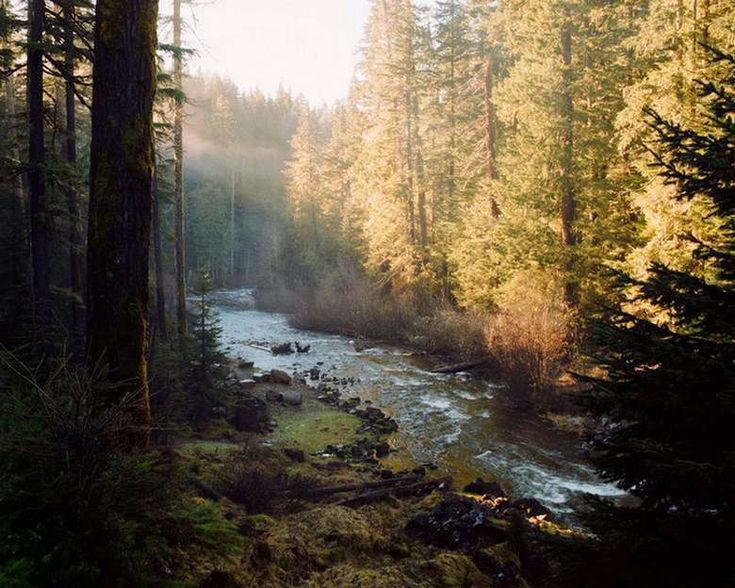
<point>348,303</point>
<point>452,333</point>
<point>529,336</point>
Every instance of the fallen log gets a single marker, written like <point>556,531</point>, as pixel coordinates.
<point>400,492</point>
<point>360,486</point>
<point>259,347</point>
<point>461,367</point>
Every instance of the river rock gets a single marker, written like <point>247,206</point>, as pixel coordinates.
<point>293,398</point>
<point>273,396</point>
<point>482,488</point>
<point>532,508</point>
<point>457,523</point>
<point>382,449</point>
<point>280,377</point>
<point>290,397</point>
<point>283,349</point>
<point>248,384</point>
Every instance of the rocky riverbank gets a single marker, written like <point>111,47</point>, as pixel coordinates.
<point>302,471</point>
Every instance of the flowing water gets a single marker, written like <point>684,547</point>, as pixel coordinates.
<point>464,425</point>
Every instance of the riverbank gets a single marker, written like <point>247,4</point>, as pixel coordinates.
<point>526,344</point>
<point>299,474</point>
<point>468,426</point>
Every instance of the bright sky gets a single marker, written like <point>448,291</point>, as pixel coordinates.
<point>308,46</point>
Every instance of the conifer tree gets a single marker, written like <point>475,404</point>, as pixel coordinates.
<point>205,325</point>
<point>121,177</point>
<point>671,376</point>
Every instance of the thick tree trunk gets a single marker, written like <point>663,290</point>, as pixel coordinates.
<point>38,203</point>
<point>568,202</point>
<point>489,126</point>
<point>180,236</point>
<point>121,176</point>
<point>76,243</point>
<point>158,264</point>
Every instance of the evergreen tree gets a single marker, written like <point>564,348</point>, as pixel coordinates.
<point>205,325</point>
<point>671,372</point>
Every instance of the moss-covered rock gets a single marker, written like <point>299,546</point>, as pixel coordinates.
<point>453,570</point>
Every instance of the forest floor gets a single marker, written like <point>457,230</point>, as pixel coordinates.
<point>299,472</point>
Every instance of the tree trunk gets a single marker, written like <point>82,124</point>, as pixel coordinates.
<point>179,181</point>
<point>38,202</point>
<point>121,177</point>
<point>568,203</point>
<point>232,225</point>
<point>489,126</point>
<point>76,244</point>
<point>158,264</point>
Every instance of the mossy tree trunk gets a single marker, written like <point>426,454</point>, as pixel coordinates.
<point>40,215</point>
<point>121,178</point>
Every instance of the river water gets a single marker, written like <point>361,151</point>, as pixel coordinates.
<point>465,425</point>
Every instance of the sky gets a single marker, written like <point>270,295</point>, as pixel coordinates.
<point>308,46</point>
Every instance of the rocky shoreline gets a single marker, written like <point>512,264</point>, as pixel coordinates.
<point>422,531</point>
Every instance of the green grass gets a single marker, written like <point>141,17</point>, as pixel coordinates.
<point>210,447</point>
<point>314,426</point>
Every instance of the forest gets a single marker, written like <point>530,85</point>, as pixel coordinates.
<point>472,325</point>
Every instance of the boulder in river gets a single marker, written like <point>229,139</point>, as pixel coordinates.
<point>280,377</point>
<point>283,349</point>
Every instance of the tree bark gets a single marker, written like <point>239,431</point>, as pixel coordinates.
<point>232,225</point>
<point>76,244</point>
<point>568,203</point>
<point>38,203</point>
<point>158,264</point>
<point>489,127</point>
<point>180,235</point>
<point>121,176</point>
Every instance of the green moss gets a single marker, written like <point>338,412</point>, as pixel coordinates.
<point>458,571</point>
<point>315,426</point>
<point>207,447</point>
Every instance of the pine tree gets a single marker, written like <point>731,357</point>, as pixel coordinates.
<point>205,325</point>
<point>671,375</point>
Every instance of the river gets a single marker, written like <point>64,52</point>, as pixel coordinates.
<point>465,425</point>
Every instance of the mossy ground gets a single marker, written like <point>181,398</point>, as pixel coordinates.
<point>313,426</point>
